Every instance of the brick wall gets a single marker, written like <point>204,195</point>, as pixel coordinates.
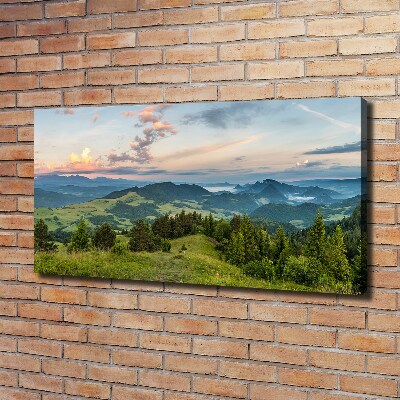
<point>70,338</point>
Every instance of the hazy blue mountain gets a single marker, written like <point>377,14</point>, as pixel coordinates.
<point>346,187</point>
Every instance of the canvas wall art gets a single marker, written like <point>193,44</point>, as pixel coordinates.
<point>255,194</point>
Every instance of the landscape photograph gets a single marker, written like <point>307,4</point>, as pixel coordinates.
<point>256,194</point>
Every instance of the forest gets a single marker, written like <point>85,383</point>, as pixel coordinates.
<point>323,257</point>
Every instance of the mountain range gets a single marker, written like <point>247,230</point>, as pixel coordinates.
<point>63,201</point>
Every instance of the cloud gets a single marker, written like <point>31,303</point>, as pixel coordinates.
<point>155,128</point>
<point>84,157</point>
<point>346,148</point>
<point>201,150</point>
<point>95,117</point>
<point>233,115</point>
<point>334,121</point>
<point>309,164</point>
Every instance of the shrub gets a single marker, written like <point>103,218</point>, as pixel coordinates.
<point>302,270</point>
<point>165,245</point>
<point>104,237</point>
<point>263,269</point>
<point>80,240</point>
<point>119,248</point>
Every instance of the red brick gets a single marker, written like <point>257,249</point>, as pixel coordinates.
<point>25,204</point>
<point>42,28</point>
<point>8,135</point>
<point>190,326</point>
<point>384,365</point>
<point>19,328</point>
<point>25,134</point>
<point>366,342</point>
<point>86,353</point>
<point>115,77</point>
<point>163,75</point>
<point>7,100</point>
<point>197,365</point>
<point>39,99</point>
<point>111,40</point>
<point>8,239</point>
<point>368,385</point>
<point>112,374</point>
<point>155,4</point>
<point>139,94</point>
<point>191,16</point>
<point>87,96</point>
<point>87,317</point>
<point>340,318</point>
<point>266,312</point>
<point>87,389</point>
<point>89,24</point>
<point>261,392</point>
<point>39,347</point>
<point>21,12</point>
<point>383,322</point>
<point>40,311</point>
<point>62,44</point>
<point>113,337</point>
<point>215,34</point>
<point>7,308</point>
<point>38,382</point>
<point>305,378</point>
<point>308,7</point>
<point>307,337</point>
<point>105,6</point>
<point>63,332</point>
<point>276,353</point>
<point>223,348</point>
<point>66,9</point>
<point>247,371</point>
<point>137,57</point>
<point>163,37</point>
<point>138,321</point>
<point>7,65</point>
<point>137,358</point>
<point>64,368</point>
<point>15,394</point>
<point>220,387</point>
<point>8,204</point>
<point>163,380</point>
<point>15,82</point>
<point>7,31</point>
<point>8,378</point>
<point>19,362</point>
<point>276,29</point>
<point>138,20</point>
<point>16,117</point>
<point>334,360</point>
<point>88,60</point>
<point>42,63</point>
<point>63,79</point>
<point>165,342</point>
<point>188,93</point>
<point>123,393</point>
<point>112,300</point>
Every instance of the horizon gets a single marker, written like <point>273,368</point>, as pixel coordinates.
<point>206,143</point>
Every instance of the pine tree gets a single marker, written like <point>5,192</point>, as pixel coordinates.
<point>338,263</point>
<point>80,240</point>
<point>316,239</point>
<point>264,243</point>
<point>280,250</point>
<point>104,237</point>
<point>209,225</point>
<point>248,230</point>
<point>236,252</point>
<point>142,237</point>
<point>42,238</point>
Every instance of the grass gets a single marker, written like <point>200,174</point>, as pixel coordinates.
<point>199,264</point>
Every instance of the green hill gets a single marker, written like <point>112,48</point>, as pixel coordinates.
<point>199,264</point>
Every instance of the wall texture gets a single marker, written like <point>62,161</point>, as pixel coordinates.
<point>67,338</point>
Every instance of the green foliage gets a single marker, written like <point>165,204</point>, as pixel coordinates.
<point>80,240</point>
<point>316,239</point>
<point>302,270</point>
<point>337,261</point>
<point>118,248</point>
<point>183,247</point>
<point>165,245</point>
<point>263,269</point>
<point>104,237</point>
<point>209,224</point>
<point>142,238</point>
<point>174,226</point>
<point>43,240</point>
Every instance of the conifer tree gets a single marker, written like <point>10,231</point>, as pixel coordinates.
<point>142,237</point>
<point>316,239</point>
<point>236,251</point>
<point>80,240</point>
<point>43,240</point>
<point>104,237</point>
<point>338,263</point>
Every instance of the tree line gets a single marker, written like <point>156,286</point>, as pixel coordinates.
<point>330,257</point>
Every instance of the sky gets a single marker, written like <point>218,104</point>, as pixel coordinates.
<point>208,142</point>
